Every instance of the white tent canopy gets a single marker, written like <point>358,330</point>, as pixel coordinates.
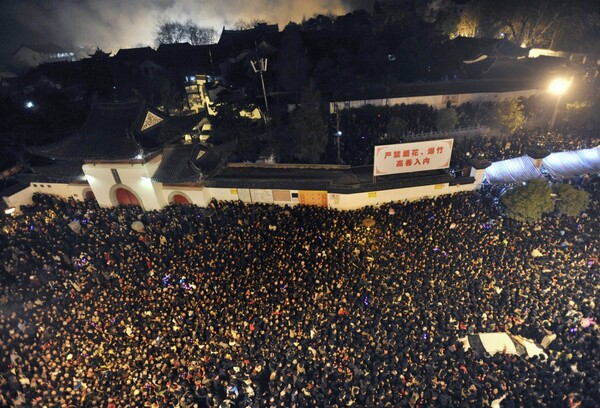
<point>574,163</point>
<point>514,170</point>
<point>559,165</point>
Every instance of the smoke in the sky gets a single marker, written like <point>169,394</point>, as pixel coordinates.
<point>114,24</point>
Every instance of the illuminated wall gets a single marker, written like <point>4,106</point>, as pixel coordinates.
<point>102,177</point>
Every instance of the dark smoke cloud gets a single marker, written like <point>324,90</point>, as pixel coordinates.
<point>114,24</point>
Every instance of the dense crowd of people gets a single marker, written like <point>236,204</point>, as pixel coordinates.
<point>520,143</point>
<point>239,305</point>
<point>366,127</point>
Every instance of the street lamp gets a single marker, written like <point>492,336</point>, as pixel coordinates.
<point>260,66</point>
<point>339,135</point>
<point>558,87</point>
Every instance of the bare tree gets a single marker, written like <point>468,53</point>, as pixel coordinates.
<point>248,24</point>
<point>533,22</point>
<point>197,35</point>
<point>469,22</point>
<point>172,32</point>
<point>169,32</point>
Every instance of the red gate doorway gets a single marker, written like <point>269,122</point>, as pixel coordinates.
<point>126,197</point>
<point>89,195</point>
<point>180,199</point>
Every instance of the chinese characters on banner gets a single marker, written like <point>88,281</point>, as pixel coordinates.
<point>411,157</point>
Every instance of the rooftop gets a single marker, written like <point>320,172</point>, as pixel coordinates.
<point>120,131</point>
<point>345,180</point>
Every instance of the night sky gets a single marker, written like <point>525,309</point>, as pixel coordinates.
<point>114,24</point>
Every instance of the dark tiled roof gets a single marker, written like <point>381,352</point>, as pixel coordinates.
<point>134,54</point>
<point>364,180</point>
<point>189,163</point>
<point>504,68</point>
<point>470,47</point>
<point>15,188</point>
<point>56,172</point>
<point>345,181</point>
<point>105,134</point>
<point>176,165</point>
<point>441,88</point>
<point>462,180</point>
<point>498,68</point>
<point>168,131</point>
<point>548,64</point>
<point>295,184</point>
<point>112,131</point>
<point>174,49</point>
<point>189,59</point>
<point>277,178</point>
<point>49,48</point>
<point>66,73</point>
<point>248,39</point>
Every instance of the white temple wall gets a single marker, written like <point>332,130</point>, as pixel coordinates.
<point>133,176</point>
<point>195,194</point>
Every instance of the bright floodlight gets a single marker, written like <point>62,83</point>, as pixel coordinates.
<point>559,86</point>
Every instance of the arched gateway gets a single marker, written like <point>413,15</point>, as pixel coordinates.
<point>121,195</point>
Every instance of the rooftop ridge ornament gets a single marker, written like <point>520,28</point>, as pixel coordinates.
<point>151,120</point>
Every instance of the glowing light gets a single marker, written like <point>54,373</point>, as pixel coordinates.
<point>559,86</point>
<point>10,210</point>
<point>29,105</point>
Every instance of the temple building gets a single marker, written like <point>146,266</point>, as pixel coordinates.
<point>130,153</point>
<point>118,151</point>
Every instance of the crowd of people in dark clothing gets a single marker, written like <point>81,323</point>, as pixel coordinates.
<point>364,128</point>
<point>522,142</point>
<point>238,305</point>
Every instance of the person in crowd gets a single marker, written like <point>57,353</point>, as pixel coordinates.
<point>212,307</point>
<point>366,127</point>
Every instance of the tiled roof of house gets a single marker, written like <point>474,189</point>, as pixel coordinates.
<point>176,165</point>
<point>54,172</point>
<point>120,131</point>
<point>342,180</point>
<point>470,47</point>
<point>190,162</point>
<point>134,54</point>
<point>189,59</point>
